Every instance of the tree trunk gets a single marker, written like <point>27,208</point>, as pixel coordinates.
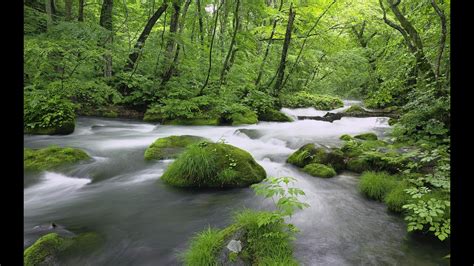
<point>210,52</point>
<point>80,16</point>
<point>198,3</point>
<point>286,44</point>
<point>47,5</point>
<point>133,57</point>
<point>68,9</point>
<point>106,22</point>
<point>226,66</point>
<point>442,41</point>
<point>171,48</point>
<point>260,71</point>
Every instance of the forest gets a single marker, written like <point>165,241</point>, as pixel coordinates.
<point>237,132</point>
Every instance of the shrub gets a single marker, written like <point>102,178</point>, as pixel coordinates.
<point>306,99</point>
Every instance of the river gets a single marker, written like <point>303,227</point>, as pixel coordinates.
<point>119,195</point>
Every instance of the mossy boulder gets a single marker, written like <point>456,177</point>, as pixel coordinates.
<point>248,117</point>
<point>346,137</point>
<point>51,157</point>
<point>52,249</point>
<point>170,147</point>
<point>319,170</point>
<point>357,165</point>
<point>213,165</point>
<point>309,153</point>
<point>274,116</point>
<point>366,136</point>
<point>67,127</point>
<point>304,99</point>
<point>355,109</point>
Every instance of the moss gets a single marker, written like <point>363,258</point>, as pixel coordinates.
<point>193,122</point>
<point>376,185</point>
<point>274,115</point>
<point>397,197</point>
<point>50,248</point>
<point>320,170</point>
<point>366,136</point>
<point>263,244</point>
<point>45,250</point>
<point>355,109</point>
<point>358,165</point>
<point>64,129</point>
<point>213,165</point>
<point>306,99</point>
<point>346,137</point>
<point>249,117</point>
<point>170,147</point>
<point>310,154</point>
<point>51,157</point>
<point>392,121</point>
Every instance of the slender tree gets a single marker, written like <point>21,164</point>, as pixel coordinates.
<point>226,66</point>
<point>281,67</point>
<point>106,22</point>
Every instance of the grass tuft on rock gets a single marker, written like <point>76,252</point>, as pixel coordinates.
<point>170,147</point>
<point>51,157</point>
<point>366,136</point>
<point>376,185</point>
<point>213,165</point>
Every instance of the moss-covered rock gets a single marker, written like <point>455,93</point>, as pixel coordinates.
<point>51,157</point>
<point>170,147</point>
<point>248,117</point>
<point>304,99</point>
<point>274,116</point>
<point>366,136</point>
<point>346,137</point>
<point>357,165</point>
<point>355,109</point>
<point>213,165</point>
<point>309,153</point>
<point>45,250</point>
<point>319,170</point>
<point>67,127</point>
<point>52,249</point>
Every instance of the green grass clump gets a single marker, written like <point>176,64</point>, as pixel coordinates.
<point>376,185</point>
<point>213,165</point>
<point>366,136</point>
<point>51,157</point>
<point>170,147</point>
<point>305,99</point>
<point>266,240</point>
<point>204,247</point>
<point>397,197</point>
<point>320,170</point>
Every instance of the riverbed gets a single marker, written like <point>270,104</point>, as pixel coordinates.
<point>144,222</point>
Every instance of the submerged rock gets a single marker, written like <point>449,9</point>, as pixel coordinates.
<point>51,157</point>
<point>67,127</point>
<point>251,133</point>
<point>170,147</point>
<point>213,165</point>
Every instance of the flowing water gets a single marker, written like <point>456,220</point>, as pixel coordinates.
<point>144,222</point>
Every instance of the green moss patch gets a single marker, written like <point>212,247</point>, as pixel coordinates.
<point>213,165</point>
<point>170,147</point>
<point>51,157</point>
<point>268,243</point>
<point>320,170</point>
<point>346,137</point>
<point>355,109</point>
<point>274,116</point>
<point>309,153</point>
<point>304,99</point>
<point>51,249</point>
<point>366,136</point>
